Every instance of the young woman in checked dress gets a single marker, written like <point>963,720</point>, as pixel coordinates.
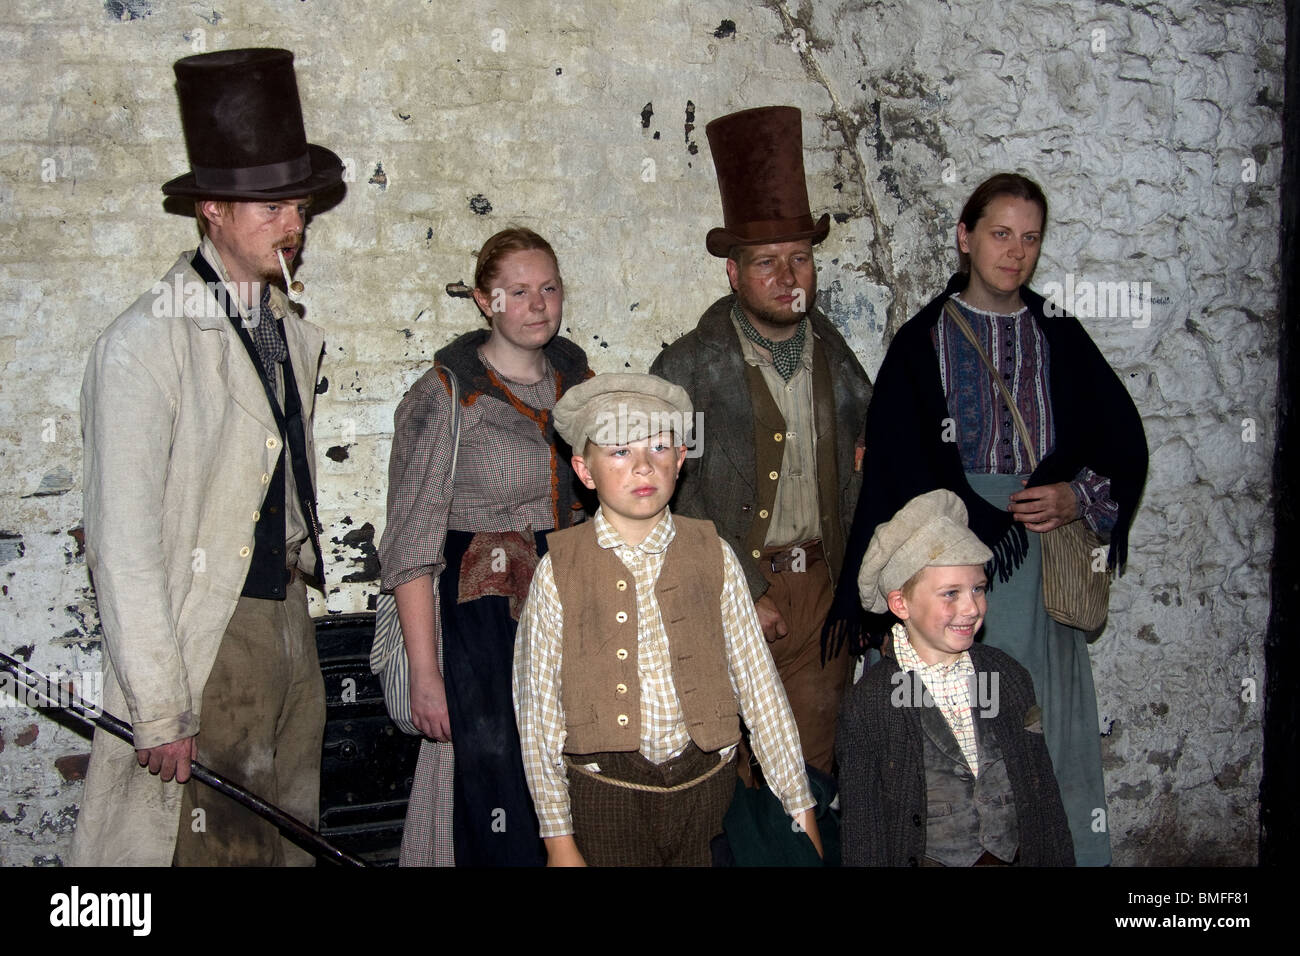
<point>459,554</point>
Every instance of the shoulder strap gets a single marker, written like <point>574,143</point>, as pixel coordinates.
<point>950,309</point>
<point>449,379</point>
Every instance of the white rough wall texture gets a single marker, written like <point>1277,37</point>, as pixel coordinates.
<point>1154,128</point>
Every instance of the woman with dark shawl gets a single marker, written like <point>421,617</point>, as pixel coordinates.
<point>938,420</point>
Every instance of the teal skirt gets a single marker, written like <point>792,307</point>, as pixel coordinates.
<point>1056,657</point>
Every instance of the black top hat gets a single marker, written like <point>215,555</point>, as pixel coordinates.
<point>243,129</point>
<point>758,155</point>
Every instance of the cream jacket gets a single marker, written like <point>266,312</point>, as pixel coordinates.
<point>179,446</point>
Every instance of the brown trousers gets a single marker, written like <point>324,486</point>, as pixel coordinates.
<point>804,599</point>
<point>615,826</point>
<point>261,726</point>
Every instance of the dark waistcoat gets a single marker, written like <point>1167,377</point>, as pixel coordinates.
<point>965,814</point>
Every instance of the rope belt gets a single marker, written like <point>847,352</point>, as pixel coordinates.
<point>649,787</point>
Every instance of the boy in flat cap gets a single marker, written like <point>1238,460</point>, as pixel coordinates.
<point>940,745</point>
<point>638,652</point>
<point>200,505</point>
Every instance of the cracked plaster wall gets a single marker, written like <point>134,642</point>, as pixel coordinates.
<point>1155,129</point>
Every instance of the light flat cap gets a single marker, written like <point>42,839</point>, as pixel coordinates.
<point>928,532</point>
<point>622,407</point>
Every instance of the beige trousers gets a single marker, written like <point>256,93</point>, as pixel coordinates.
<point>261,726</point>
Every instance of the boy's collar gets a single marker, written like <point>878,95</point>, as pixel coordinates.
<point>908,659</point>
<point>657,540</point>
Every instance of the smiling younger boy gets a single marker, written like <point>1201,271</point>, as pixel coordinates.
<point>629,692</point>
<point>942,609</point>
<point>940,745</point>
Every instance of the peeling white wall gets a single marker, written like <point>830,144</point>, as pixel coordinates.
<point>1154,129</point>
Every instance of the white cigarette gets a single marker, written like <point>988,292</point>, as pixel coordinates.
<point>291,285</point>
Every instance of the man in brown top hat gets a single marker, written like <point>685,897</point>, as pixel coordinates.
<point>200,511</point>
<point>784,401</point>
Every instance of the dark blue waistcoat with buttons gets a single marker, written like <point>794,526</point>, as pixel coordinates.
<point>267,575</point>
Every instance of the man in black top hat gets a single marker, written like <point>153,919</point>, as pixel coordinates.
<point>200,509</point>
<point>784,401</point>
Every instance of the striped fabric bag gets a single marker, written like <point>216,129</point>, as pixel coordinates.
<point>388,657</point>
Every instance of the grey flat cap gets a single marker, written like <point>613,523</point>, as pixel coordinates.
<point>622,407</point>
<point>928,532</point>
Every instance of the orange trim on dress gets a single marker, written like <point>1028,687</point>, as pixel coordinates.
<point>538,417</point>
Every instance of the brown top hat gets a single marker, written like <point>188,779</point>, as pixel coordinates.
<point>758,155</point>
<point>243,129</point>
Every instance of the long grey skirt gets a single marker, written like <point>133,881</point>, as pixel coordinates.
<point>1056,657</point>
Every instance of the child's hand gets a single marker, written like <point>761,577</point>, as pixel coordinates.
<point>807,822</point>
<point>563,851</point>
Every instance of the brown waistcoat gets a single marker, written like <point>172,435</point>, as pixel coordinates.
<point>598,672</point>
<point>769,449</point>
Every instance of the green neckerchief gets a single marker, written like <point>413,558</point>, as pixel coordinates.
<point>785,355</point>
